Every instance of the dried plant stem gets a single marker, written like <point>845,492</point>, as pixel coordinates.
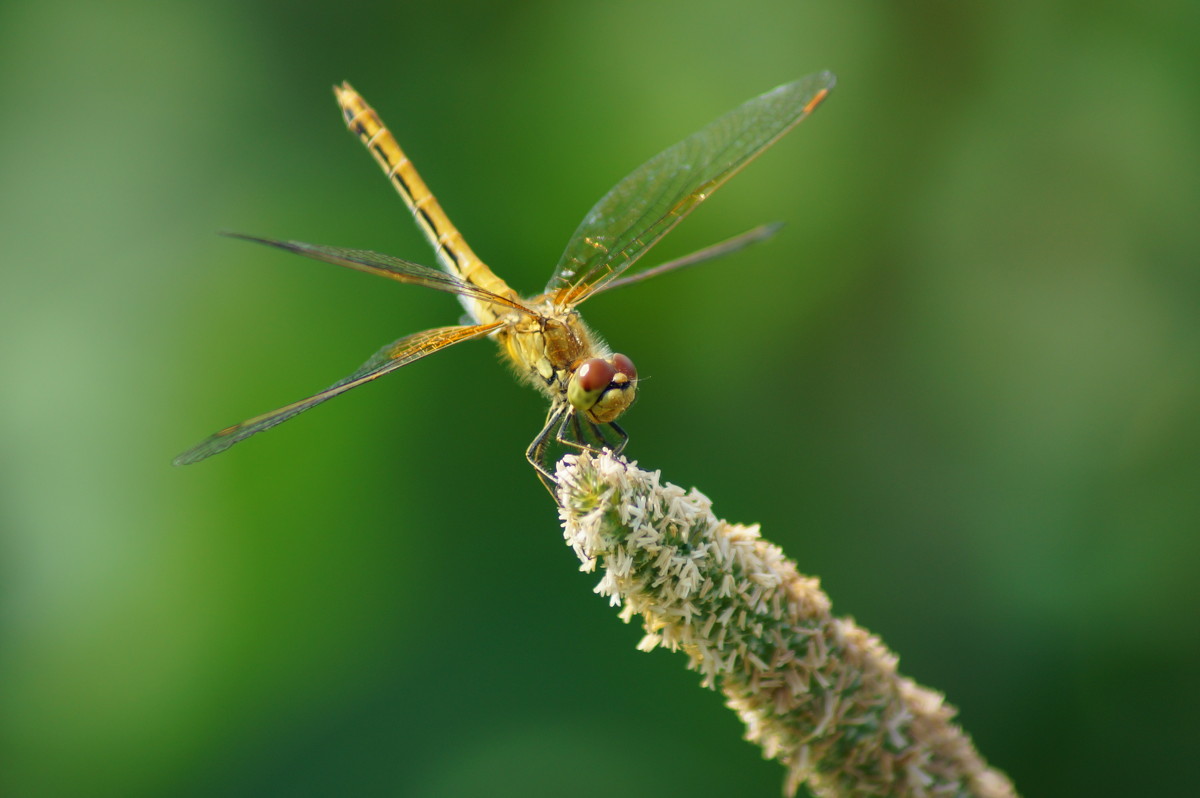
<point>816,692</point>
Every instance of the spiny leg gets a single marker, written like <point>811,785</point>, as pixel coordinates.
<point>572,431</point>
<point>578,441</point>
<point>535,453</point>
<point>622,434</point>
<point>588,436</point>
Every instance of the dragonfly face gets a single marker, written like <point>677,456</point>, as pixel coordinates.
<point>603,389</point>
<point>544,338</point>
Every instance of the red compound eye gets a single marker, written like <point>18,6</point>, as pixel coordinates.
<point>595,375</point>
<point>625,366</point>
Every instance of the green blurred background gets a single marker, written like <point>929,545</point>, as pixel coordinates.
<point>961,387</point>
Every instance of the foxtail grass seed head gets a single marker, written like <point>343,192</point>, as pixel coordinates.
<point>816,692</point>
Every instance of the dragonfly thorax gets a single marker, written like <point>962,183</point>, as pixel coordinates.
<point>554,351</point>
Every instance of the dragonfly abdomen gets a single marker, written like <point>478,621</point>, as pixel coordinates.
<point>453,253</point>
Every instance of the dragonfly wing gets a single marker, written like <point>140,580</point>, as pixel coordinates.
<point>393,268</point>
<point>718,250</point>
<point>390,358</point>
<point>656,196</point>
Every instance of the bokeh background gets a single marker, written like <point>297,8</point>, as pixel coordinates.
<point>961,386</point>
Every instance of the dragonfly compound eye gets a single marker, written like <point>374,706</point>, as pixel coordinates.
<point>589,381</point>
<point>603,389</point>
<point>625,366</point>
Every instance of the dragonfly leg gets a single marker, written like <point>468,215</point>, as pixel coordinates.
<point>622,435</point>
<point>587,436</point>
<point>570,430</point>
<point>536,452</point>
<point>577,435</point>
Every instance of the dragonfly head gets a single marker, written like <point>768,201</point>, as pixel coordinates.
<point>603,389</point>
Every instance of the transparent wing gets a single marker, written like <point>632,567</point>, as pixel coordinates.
<point>393,268</point>
<point>390,358</point>
<point>644,206</point>
<point>718,250</point>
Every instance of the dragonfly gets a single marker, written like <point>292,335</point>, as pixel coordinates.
<point>543,337</point>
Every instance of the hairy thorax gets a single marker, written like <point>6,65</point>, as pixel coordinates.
<point>554,349</point>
